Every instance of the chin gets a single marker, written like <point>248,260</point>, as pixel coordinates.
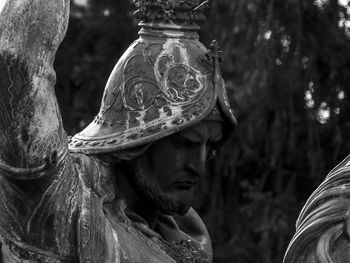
<point>184,209</point>
<point>170,205</point>
<point>176,204</point>
<point>178,209</point>
<point>171,202</point>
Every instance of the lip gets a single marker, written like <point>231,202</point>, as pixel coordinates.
<point>185,184</point>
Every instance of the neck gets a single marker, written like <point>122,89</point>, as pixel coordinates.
<point>135,202</point>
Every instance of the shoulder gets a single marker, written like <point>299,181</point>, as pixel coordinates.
<point>187,227</point>
<point>95,175</point>
<point>192,224</point>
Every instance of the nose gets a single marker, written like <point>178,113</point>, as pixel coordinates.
<point>196,158</point>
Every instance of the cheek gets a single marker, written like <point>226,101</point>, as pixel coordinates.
<point>176,158</point>
<point>168,165</point>
<point>166,156</point>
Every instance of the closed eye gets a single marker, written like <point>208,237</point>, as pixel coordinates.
<point>178,141</point>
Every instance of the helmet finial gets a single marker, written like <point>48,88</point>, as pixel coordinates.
<point>176,11</point>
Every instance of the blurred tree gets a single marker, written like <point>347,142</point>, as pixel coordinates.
<point>98,34</point>
<point>287,68</point>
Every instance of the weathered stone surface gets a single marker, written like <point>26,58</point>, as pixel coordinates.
<point>58,206</point>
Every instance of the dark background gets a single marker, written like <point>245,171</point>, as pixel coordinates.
<point>287,69</point>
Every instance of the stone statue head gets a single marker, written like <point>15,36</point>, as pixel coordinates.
<point>164,103</point>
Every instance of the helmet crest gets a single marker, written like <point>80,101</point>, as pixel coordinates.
<point>178,11</point>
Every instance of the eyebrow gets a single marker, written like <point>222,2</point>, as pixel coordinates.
<point>202,136</point>
<point>189,136</point>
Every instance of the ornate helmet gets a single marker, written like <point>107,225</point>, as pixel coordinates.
<point>166,81</point>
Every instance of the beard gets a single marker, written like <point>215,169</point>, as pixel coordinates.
<point>155,196</point>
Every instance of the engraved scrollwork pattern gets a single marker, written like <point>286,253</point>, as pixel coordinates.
<point>139,93</point>
<point>182,83</point>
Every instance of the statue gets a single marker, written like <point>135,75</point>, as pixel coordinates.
<point>323,233</point>
<point>120,190</point>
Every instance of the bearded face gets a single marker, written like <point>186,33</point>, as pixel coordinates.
<point>155,196</point>
<point>167,173</point>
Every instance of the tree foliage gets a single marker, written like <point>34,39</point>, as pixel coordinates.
<point>286,65</point>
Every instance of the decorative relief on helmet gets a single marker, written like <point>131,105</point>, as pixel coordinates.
<point>139,89</point>
<point>139,93</point>
<point>151,76</point>
<point>179,81</point>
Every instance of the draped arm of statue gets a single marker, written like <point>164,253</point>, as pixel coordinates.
<point>39,188</point>
<point>120,190</point>
<point>323,226</point>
